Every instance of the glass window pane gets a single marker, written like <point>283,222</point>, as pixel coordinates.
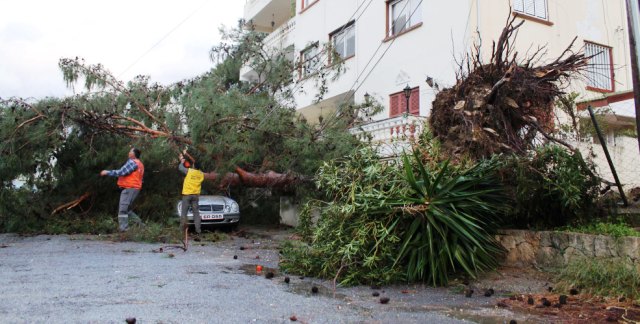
<point>399,21</point>
<point>415,13</point>
<point>351,42</point>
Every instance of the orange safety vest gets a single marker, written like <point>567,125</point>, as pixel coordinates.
<point>132,180</point>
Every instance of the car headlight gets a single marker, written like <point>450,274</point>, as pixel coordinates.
<point>234,207</point>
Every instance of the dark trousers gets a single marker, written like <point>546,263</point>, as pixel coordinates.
<point>190,200</point>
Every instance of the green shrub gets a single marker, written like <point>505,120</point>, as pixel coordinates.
<point>448,220</point>
<point>602,228</point>
<point>601,277</point>
<point>552,187</point>
<point>381,223</point>
<point>349,242</point>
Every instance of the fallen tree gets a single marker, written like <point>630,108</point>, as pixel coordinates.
<point>505,105</point>
<point>244,134</point>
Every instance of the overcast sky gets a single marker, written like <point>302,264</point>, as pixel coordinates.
<point>167,40</point>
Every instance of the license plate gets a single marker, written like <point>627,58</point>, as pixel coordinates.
<point>211,216</point>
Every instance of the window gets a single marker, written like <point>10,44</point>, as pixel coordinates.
<point>398,103</point>
<point>307,3</point>
<point>344,41</point>
<point>600,67</point>
<point>534,8</point>
<point>403,14</point>
<point>309,60</point>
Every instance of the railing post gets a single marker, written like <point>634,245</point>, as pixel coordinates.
<point>606,154</point>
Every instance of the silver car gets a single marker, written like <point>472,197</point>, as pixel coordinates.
<point>215,210</point>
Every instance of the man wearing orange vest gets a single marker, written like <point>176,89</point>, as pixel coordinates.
<point>130,182</point>
<point>191,194</point>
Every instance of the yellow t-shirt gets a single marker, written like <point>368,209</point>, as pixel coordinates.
<point>192,182</point>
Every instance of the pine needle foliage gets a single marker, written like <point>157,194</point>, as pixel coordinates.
<point>385,222</point>
<point>56,147</point>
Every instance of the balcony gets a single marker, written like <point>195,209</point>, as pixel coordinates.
<point>282,36</point>
<point>267,15</point>
<point>277,41</point>
<point>392,136</point>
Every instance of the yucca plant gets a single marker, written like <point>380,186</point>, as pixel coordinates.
<point>449,218</point>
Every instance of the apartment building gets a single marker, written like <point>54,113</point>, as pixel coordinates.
<point>388,46</point>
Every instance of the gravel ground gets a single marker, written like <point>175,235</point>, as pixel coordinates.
<point>86,279</point>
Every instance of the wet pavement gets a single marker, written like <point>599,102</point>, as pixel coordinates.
<point>81,279</point>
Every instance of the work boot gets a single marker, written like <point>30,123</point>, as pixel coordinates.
<point>123,222</point>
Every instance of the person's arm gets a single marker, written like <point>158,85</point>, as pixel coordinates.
<point>181,166</point>
<point>126,169</point>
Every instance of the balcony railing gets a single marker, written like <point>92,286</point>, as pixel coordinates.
<point>392,136</point>
<point>279,37</point>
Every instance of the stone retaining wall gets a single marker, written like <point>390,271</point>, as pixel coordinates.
<point>556,249</point>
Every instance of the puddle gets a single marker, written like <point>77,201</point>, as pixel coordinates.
<point>252,269</point>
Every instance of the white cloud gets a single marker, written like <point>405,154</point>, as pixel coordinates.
<point>167,40</point>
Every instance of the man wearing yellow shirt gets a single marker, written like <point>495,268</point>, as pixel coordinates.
<point>190,193</point>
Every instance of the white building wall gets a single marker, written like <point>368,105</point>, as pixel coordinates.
<point>599,21</point>
<point>409,58</point>
<point>449,29</point>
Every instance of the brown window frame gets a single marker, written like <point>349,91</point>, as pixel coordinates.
<point>387,35</point>
<point>343,28</point>
<point>304,8</point>
<point>301,69</point>
<point>611,71</point>
<point>532,17</point>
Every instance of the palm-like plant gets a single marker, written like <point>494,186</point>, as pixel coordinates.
<point>449,216</point>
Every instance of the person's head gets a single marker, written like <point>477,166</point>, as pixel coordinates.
<point>196,165</point>
<point>134,153</point>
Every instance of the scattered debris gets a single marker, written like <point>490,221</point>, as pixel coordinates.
<point>384,300</point>
<point>314,289</point>
<point>131,320</point>
<point>235,257</point>
<point>375,294</point>
<point>545,302</point>
<point>577,309</point>
<point>286,279</point>
<point>293,318</point>
<point>468,292</point>
<point>269,275</point>
<point>574,291</point>
<point>562,299</point>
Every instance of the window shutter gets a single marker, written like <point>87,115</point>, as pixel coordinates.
<point>414,102</point>
<point>530,7</point>
<point>540,8</point>
<point>394,105</point>
<point>518,5</point>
